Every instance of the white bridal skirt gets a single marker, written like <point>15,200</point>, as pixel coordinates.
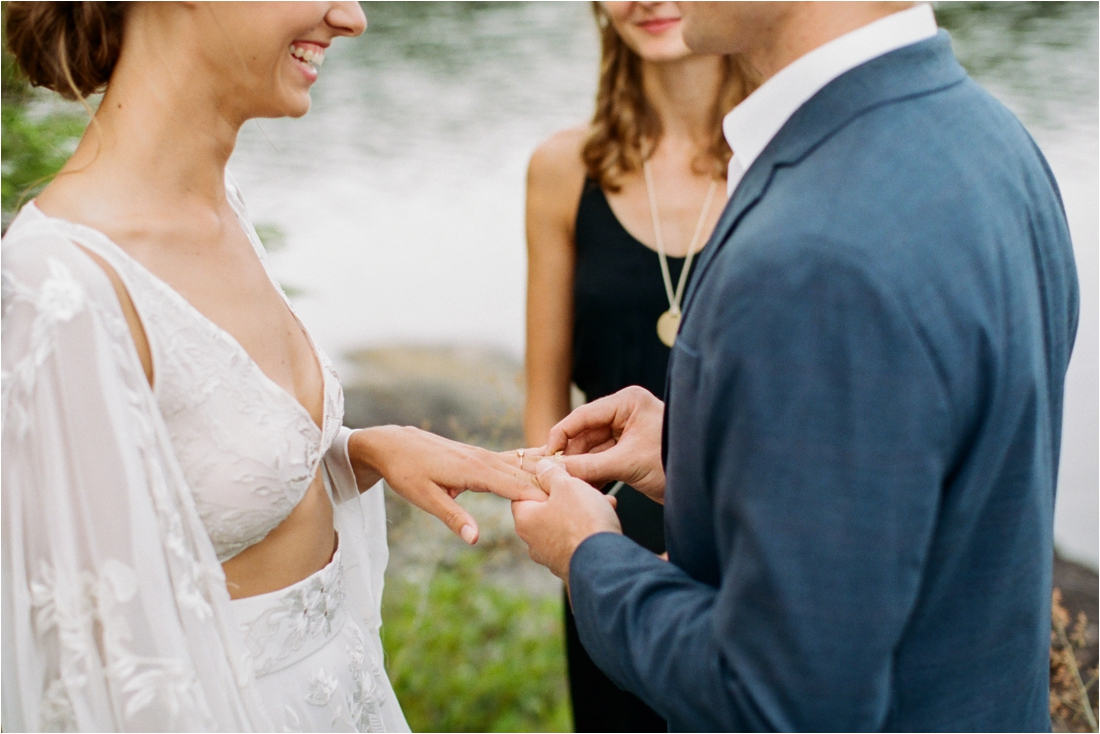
<point>316,668</point>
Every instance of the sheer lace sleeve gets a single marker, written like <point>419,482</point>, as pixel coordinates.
<point>360,519</point>
<point>115,612</point>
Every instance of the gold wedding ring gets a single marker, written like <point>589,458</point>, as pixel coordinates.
<point>520,453</point>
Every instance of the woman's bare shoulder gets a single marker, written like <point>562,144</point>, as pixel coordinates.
<point>557,161</point>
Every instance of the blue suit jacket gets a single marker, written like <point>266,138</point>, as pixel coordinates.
<point>862,430</point>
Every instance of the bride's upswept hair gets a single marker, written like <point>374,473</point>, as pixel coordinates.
<point>68,47</point>
<point>625,129</point>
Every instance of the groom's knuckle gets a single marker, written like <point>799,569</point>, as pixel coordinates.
<point>560,482</point>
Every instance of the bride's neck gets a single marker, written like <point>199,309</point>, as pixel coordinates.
<point>163,126</point>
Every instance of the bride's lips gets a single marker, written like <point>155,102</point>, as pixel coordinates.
<point>308,56</point>
<point>657,25</point>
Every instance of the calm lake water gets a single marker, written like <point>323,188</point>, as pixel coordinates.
<point>401,193</point>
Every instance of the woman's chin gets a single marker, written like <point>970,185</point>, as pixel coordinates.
<point>293,106</point>
<point>301,108</point>
<point>666,52</point>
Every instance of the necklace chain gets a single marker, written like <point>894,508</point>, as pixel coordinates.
<point>674,297</point>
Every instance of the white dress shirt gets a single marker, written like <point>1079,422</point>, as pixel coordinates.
<point>751,125</point>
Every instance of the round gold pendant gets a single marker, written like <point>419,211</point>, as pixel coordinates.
<point>667,326</point>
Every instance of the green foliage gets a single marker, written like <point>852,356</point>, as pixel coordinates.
<point>272,236</point>
<point>34,147</point>
<point>465,654</point>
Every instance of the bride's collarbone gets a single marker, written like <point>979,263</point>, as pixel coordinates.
<point>225,282</point>
<point>205,255</point>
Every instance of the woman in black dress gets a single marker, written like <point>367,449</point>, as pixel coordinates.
<point>615,210</point>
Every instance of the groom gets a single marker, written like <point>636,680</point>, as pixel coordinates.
<point>863,406</point>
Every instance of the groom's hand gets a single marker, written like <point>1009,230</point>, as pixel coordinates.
<point>617,438</point>
<point>555,527</point>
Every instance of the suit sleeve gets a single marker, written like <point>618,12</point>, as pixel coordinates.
<point>823,426</point>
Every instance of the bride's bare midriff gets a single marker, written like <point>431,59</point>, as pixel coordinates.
<point>298,547</point>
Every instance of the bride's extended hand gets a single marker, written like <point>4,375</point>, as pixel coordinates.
<point>430,471</point>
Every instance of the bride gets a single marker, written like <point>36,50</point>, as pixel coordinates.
<point>185,543</point>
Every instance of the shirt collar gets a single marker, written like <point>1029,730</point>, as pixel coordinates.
<point>751,125</point>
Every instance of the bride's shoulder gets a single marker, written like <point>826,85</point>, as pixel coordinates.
<point>41,260</point>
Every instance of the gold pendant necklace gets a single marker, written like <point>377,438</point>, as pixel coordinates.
<point>668,325</point>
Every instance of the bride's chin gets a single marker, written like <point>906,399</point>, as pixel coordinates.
<point>300,112</point>
<point>296,107</point>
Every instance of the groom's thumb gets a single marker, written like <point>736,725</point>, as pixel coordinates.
<point>550,473</point>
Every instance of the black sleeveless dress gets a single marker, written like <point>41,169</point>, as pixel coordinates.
<point>618,295</point>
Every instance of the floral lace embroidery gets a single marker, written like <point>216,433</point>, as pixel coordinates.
<point>85,618</point>
<point>248,449</point>
<point>306,614</point>
<point>89,611</point>
<point>57,708</point>
<point>57,300</point>
<point>365,702</point>
<point>85,613</point>
<point>321,688</point>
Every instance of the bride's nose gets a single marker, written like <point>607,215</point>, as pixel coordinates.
<point>346,18</point>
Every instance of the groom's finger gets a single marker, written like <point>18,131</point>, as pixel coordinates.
<point>594,468</point>
<point>592,444</point>
<point>595,416</point>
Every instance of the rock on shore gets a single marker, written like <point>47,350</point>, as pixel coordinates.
<point>470,394</point>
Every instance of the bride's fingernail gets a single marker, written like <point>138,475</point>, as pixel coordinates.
<point>469,534</point>
<point>544,466</point>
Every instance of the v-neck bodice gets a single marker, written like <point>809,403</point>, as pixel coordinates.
<point>248,449</point>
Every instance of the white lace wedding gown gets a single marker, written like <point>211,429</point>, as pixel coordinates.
<point>120,500</point>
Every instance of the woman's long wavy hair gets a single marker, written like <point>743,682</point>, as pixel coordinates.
<point>625,129</point>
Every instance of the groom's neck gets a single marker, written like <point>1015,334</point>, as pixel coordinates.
<point>770,36</point>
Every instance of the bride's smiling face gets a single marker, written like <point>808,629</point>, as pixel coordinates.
<point>267,55</point>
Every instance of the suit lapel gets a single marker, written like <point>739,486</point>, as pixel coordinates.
<point>918,69</point>
<point>752,187</point>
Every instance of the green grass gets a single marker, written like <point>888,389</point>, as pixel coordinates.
<point>34,147</point>
<point>465,654</point>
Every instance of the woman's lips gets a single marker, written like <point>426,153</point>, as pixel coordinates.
<point>309,57</point>
<point>658,25</point>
